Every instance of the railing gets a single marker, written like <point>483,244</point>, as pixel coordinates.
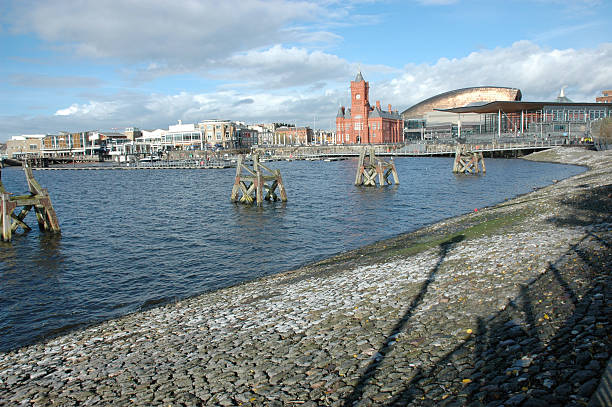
<point>212,163</point>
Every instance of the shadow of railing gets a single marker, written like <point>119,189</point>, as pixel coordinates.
<point>386,348</point>
<point>547,346</point>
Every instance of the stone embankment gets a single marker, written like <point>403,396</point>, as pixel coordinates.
<point>510,305</point>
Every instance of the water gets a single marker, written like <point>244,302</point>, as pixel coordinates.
<point>133,239</point>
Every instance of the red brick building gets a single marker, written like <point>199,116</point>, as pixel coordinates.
<point>605,98</point>
<point>364,124</point>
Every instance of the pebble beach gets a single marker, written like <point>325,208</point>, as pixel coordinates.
<point>510,305</point>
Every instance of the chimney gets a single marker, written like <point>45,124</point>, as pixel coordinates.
<point>390,108</point>
<point>378,104</point>
<point>181,122</point>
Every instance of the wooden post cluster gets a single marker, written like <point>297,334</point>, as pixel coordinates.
<point>38,198</point>
<point>468,162</point>
<point>252,185</point>
<point>370,166</point>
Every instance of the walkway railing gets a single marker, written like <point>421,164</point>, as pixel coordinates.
<point>213,163</point>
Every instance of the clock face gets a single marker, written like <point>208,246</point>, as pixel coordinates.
<point>358,96</point>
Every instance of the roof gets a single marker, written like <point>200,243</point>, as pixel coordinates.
<point>385,115</point>
<point>462,97</point>
<point>359,78</point>
<point>513,106</point>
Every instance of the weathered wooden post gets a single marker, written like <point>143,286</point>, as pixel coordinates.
<point>38,199</point>
<point>370,166</point>
<point>253,184</point>
<point>467,162</point>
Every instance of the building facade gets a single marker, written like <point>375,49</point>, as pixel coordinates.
<point>286,135</point>
<point>219,133</point>
<point>183,137</point>
<point>247,137</point>
<point>82,144</point>
<point>24,145</point>
<point>364,124</point>
<point>565,120</point>
<point>605,98</point>
<point>132,133</point>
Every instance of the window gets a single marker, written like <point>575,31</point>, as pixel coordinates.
<point>33,147</point>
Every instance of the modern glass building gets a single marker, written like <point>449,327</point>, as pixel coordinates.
<point>540,119</point>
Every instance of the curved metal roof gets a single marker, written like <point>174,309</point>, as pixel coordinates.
<point>462,97</point>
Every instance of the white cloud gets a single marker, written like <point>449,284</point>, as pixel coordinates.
<point>184,33</point>
<point>279,66</point>
<point>69,111</point>
<point>539,73</point>
<point>94,110</point>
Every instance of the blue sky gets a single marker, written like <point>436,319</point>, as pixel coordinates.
<point>70,65</point>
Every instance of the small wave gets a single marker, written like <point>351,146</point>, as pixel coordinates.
<point>154,302</point>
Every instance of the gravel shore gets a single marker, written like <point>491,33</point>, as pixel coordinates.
<point>510,305</point>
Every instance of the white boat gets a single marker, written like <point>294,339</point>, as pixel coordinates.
<point>149,159</point>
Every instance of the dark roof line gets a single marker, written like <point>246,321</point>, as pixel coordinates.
<point>514,106</point>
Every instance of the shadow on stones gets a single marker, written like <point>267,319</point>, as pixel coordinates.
<point>386,348</point>
<point>546,347</point>
<point>592,206</point>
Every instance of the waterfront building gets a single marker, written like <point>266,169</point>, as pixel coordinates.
<point>183,137</point>
<point>265,133</point>
<point>568,121</point>
<point>364,124</point>
<point>132,133</point>
<point>150,141</point>
<point>219,133</point>
<point>85,144</point>
<point>324,137</point>
<point>24,145</point>
<point>605,98</point>
<point>247,137</point>
<point>291,135</point>
<point>429,120</point>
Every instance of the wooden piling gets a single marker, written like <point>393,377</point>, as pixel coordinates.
<point>38,199</point>
<point>370,167</point>
<point>257,184</point>
<point>468,162</point>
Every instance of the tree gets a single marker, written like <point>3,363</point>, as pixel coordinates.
<point>605,130</point>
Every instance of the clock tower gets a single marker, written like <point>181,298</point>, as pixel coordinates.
<point>360,108</point>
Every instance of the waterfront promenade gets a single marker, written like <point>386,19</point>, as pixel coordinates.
<point>509,305</point>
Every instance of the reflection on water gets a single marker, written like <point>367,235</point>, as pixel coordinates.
<point>134,239</point>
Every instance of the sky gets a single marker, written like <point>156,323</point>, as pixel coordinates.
<point>77,65</point>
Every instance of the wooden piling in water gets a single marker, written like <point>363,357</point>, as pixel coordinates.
<point>251,185</point>
<point>468,162</point>
<point>370,167</point>
<point>38,199</point>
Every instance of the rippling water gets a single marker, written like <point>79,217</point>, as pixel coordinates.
<point>131,239</point>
